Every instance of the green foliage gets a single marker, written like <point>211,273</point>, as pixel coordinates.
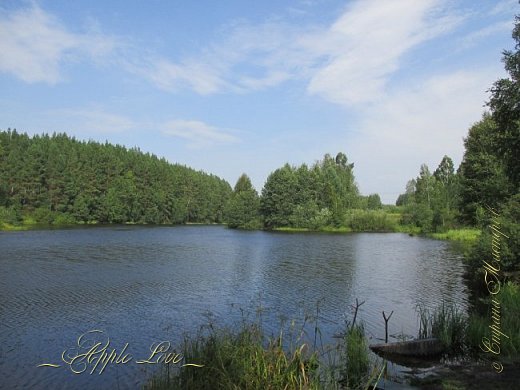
<point>483,180</point>
<point>430,201</point>
<point>447,323</point>
<point>420,215</point>
<point>310,198</point>
<point>505,110</point>
<point>308,216</point>
<point>468,235</point>
<point>61,180</point>
<point>10,215</point>
<point>508,222</point>
<point>370,221</point>
<point>44,215</point>
<point>374,202</point>
<point>509,298</point>
<point>356,371</point>
<point>478,324</point>
<point>277,203</point>
<point>243,208</point>
<point>64,219</point>
<point>242,359</point>
<point>477,327</point>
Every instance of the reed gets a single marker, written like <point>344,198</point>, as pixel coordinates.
<point>356,372</point>
<point>242,357</point>
<point>509,321</point>
<point>241,360</point>
<point>447,323</point>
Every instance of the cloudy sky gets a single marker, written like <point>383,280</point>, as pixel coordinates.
<point>246,86</point>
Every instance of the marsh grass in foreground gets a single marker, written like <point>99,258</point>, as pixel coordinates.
<point>356,364</point>
<point>241,360</point>
<point>447,323</point>
<point>245,359</point>
<point>509,321</point>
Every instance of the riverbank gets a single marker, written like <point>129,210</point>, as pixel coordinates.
<point>24,226</point>
<point>463,235</point>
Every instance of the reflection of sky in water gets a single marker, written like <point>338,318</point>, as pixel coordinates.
<point>144,285</point>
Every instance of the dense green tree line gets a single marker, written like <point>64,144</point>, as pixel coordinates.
<point>322,196</point>
<point>431,200</point>
<point>57,179</point>
<point>243,208</point>
<point>498,179</point>
<point>304,197</point>
<point>488,177</point>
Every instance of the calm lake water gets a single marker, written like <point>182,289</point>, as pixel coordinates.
<point>144,285</point>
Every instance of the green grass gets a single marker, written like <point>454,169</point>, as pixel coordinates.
<point>460,333</point>
<point>371,221</point>
<point>241,359</point>
<point>410,229</point>
<point>324,229</point>
<point>10,227</point>
<point>356,360</point>
<point>357,220</point>
<point>468,235</point>
<point>447,323</point>
<point>478,325</point>
<point>244,358</point>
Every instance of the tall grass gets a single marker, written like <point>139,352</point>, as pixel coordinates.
<point>244,358</point>
<point>459,333</point>
<point>478,325</point>
<point>241,360</point>
<point>467,235</point>
<point>447,323</point>
<point>355,372</point>
<point>371,221</point>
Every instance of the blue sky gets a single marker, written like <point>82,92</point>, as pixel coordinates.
<point>240,86</point>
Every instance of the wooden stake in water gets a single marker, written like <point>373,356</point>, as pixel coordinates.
<point>386,324</point>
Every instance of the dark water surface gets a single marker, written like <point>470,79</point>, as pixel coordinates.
<point>143,285</point>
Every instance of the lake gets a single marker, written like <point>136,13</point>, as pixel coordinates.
<point>143,285</point>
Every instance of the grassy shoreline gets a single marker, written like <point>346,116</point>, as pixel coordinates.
<point>24,226</point>
<point>464,235</point>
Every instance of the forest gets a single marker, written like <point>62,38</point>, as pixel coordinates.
<point>58,180</point>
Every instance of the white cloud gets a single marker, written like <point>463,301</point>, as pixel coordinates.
<point>348,62</point>
<point>94,120</point>
<point>505,6</point>
<point>34,44</point>
<point>416,125</point>
<point>472,38</point>
<point>365,44</point>
<point>249,58</point>
<point>199,134</point>
<point>169,76</point>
